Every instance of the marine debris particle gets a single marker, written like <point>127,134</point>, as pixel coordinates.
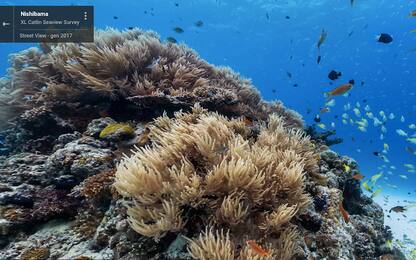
<point>178,30</point>
<point>385,38</point>
<point>257,248</point>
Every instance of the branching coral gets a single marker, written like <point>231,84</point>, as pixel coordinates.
<point>130,66</point>
<point>202,167</point>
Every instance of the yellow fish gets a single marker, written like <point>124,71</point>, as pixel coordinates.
<point>375,193</point>
<point>375,177</point>
<point>362,129</point>
<point>347,168</point>
<point>322,126</point>
<point>366,186</point>
<point>389,244</point>
<point>386,147</point>
<point>412,140</point>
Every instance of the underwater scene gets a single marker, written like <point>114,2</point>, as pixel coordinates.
<point>213,129</point>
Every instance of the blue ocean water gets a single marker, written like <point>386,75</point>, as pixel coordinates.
<point>274,43</point>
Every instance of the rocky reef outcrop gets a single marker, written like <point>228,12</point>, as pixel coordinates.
<point>131,148</point>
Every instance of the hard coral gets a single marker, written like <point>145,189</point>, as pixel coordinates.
<point>109,75</point>
<point>206,170</point>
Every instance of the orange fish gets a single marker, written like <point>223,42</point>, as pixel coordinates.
<point>256,248</point>
<point>344,213</point>
<point>248,121</point>
<point>342,89</point>
<point>144,137</point>
<point>413,13</point>
<point>358,177</point>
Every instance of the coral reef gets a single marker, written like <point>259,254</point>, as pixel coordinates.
<point>124,74</point>
<point>131,148</point>
<point>202,162</point>
<point>323,137</point>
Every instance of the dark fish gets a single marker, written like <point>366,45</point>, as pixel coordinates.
<point>397,209</point>
<point>362,83</point>
<point>176,4</point>
<point>289,75</point>
<point>333,75</point>
<point>178,30</point>
<point>273,91</point>
<point>115,17</point>
<point>351,81</point>
<point>295,85</point>
<point>384,38</point>
<point>171,39</point>
<point>199,23</point>
<point>131,28</point>
<point>377,153</point>
<point>364,100</point>
<point>410,150</point>
<point>319,59</point>
<point>317,119</point>
<point>322,38</point>
<point>267,16</point>
<point>351,33</point>
<point>352,2</point>
<point>287,17</point>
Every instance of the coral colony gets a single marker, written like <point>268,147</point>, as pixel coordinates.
<point>134,148</point>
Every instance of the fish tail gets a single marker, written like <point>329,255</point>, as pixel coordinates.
<point>328,96</point>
